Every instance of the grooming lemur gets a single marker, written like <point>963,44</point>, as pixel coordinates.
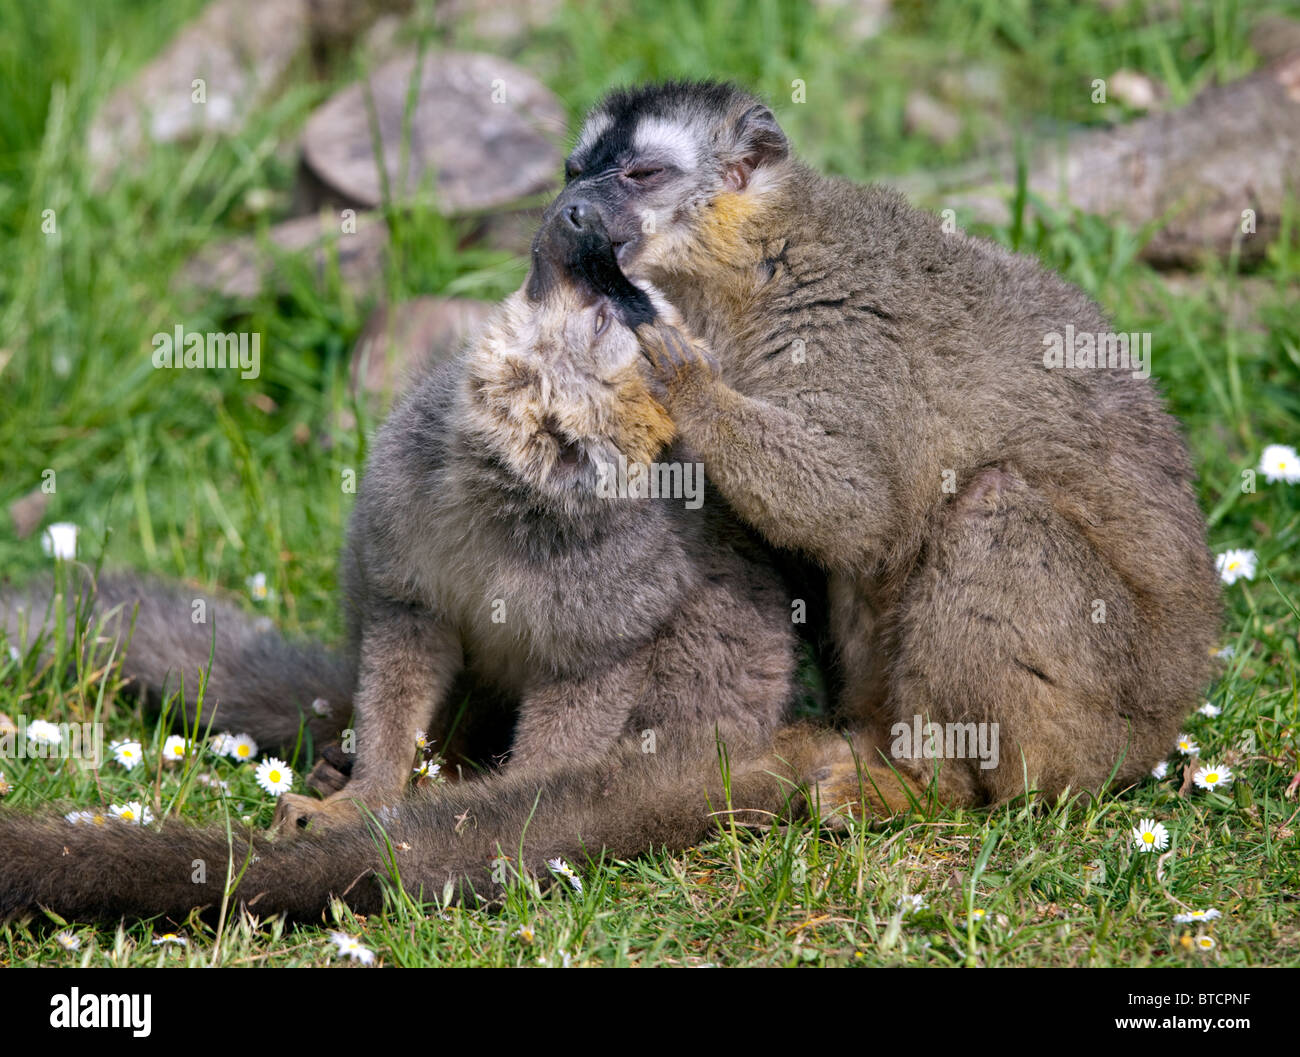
<point>1006,543</point>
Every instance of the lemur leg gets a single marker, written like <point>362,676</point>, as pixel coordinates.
<point>1002,641</point>
<point>409,659</point>
<point>565,719</point>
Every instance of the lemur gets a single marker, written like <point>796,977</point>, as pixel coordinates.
<point>1005,543</point>
<point>622,616</point>
<point>489,537</point>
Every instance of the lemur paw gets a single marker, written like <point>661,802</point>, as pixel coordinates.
<point>295,814</point>
<point>675,361</point>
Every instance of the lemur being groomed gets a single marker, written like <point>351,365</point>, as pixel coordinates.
<point>489,536</point>
<point>1006,543</point>
<point>619,616</point>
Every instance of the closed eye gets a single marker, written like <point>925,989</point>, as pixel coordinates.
<point>643,174</point>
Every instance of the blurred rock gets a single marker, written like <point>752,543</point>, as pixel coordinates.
<point>497,20</point>
<point>1199,173</point>
<point>483,132</point>
<point>1135,90</point>
<point>398,339</point>
<point>241,267</point>
<point>239,49</point>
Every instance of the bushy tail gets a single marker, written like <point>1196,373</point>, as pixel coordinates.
<point>260,683</point>
<point>469,836</point>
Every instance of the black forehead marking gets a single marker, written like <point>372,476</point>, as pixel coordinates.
<point>611,148</point>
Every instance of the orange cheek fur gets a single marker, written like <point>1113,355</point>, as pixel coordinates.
<point>721,226</point>
<point>642,427</point>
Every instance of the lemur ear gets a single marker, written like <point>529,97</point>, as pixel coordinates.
<point>756,140</point>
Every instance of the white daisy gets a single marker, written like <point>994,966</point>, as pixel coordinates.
<point>351,946</point>
<point>60,540</point>
<point>1211,777</point>
<point>911,904</point>
<point>1197,915</point>
<point>86,818</point>
<point>1186,746</point>
<point>1235,564</point>
<point>978,914</point>
<point>525,933</point>
<point>1206,943</point>
<point>274,776</point>
<point>169,938</point>
<point>128,753</point>
<point>67,941</point>
<point>132,811</point>
<point>566,871</point>
<point>257,587</point>
<point>421,740</point>
<point>427,768</point>
<point>220,743</point>
<point>5,787</point>
<point>1280,463</point>
<point>1227,653</point>
<point>213,782</point>
<point>1210,710</point>
<point>176,748</point>
<point>1160,770</point>
<point>241,747</point>
<point>43,732</point>
<point>1150,835</point>
<point>321,707</point>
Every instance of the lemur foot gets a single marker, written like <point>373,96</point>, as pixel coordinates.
<point>295,814</point>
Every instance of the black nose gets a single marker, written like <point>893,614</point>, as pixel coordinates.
<point>580,215</point>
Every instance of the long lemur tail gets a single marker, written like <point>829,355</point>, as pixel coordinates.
<point>260,683</point>
<point>469,835</point>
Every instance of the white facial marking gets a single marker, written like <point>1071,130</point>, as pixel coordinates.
<point>660,138</point>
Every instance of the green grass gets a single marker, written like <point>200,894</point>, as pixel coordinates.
<point>196,475</point>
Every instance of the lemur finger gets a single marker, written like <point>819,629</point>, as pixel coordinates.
<point>652,346</point>
<point>677,348</point>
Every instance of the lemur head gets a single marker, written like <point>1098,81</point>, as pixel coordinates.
<point>554,383</point>
<point>673,169</point>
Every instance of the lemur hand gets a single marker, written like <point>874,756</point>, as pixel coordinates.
<point>676,364</point>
